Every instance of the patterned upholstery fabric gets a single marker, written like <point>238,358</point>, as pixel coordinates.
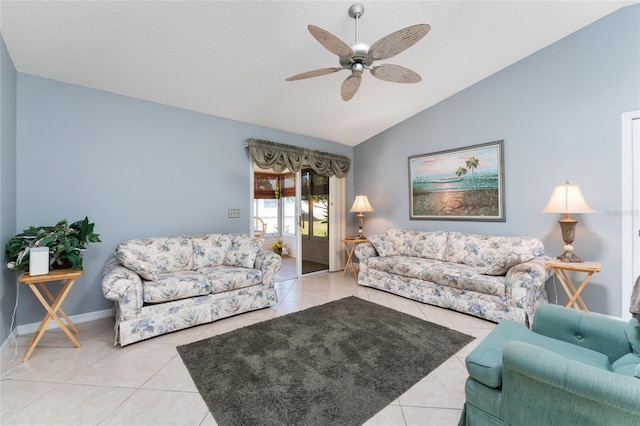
<point>492,255</point>
<point>243,251</point>
<point>210,249</point>
<point>428,245</point>
<point>176,285</point>
<point>160,285</point>
<point>634,303</point>
<point>486,276</point>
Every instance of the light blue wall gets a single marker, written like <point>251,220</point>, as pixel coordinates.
<point>135,168</point>
<point>559,113</point>
<point>7,184</point>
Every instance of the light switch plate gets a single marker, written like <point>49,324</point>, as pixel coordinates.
<point>234,213</point>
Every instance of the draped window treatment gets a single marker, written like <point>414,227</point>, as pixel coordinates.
<point>280,157</point>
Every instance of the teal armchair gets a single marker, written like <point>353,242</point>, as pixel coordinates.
<point>571,368</point>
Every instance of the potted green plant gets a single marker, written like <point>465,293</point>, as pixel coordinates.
<point>277,247</point>
<point>66,243</point>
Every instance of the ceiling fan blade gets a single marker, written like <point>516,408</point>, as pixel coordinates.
<point>331,42</point>
<point>397,42</point>
<point>350,86</point>
<point>314,73</point>
<point>395,74</point>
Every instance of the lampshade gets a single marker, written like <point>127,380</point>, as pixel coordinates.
<point>361,204</point>
<point>567,199</point>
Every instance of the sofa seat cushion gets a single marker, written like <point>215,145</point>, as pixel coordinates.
<point>627,365</point>
<point>484,363</point>
<point>224,278</point>
<point>175,286</point>
<point>462,277</point>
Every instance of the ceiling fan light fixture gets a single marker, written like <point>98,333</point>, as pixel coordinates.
<point>360,56</point>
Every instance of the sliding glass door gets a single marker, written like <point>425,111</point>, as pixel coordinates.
<point>314,221</point>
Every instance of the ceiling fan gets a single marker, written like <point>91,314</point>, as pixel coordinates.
<point>360,56</point>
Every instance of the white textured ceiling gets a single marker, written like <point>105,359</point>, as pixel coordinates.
<point>230,58</point>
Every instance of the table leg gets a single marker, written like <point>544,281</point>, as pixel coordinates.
<point>572,292</point>
<point>44,288</point>
<point>349,258</point>
<point>576,296</point>
<point>51,314</point>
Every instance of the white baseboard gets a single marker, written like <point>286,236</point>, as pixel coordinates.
<point>77,319</point>
<point>8,341</point>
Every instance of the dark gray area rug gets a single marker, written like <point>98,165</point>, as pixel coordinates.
<point>333,364</point>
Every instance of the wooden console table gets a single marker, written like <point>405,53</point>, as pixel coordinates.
<point>53,305</point>
<point>561,269</point>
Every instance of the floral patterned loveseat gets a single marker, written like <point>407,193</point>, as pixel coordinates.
<point>160,285</point>
<point>485,276</point>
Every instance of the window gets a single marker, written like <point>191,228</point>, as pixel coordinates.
<point>274,202</point>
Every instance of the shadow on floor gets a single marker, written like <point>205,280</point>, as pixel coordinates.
<point>288,270</point>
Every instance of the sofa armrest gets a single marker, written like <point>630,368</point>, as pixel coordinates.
<point>364,251</point>
<point>593,331</point>
<point>526,284</point>
<point>540,388</point>
<point>269,263</point>
<point>123,286</point>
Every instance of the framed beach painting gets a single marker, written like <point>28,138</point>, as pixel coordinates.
<point>458,184</point>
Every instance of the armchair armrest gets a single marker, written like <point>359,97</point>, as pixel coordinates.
<point>543,388</point>
<point>123,286</point>
<point>269,263</point>
<point>593,331</point>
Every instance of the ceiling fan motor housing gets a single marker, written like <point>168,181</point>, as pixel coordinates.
<point>359,55</point>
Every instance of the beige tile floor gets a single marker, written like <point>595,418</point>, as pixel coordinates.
<point>146,383</point>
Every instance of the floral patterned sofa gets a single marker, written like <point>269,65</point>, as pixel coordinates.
<point>485,276</point>
<point>160,285</point>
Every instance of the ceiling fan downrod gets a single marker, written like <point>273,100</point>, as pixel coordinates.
<point>356,11</point>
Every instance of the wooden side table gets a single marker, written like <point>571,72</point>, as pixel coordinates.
<point>53,305</point>
<point>350,244</point>
<point>561,269</point>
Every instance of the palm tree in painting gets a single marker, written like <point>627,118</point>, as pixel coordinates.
<point>461,171</point>
<point>472,163</point>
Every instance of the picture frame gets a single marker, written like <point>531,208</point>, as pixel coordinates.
<point>458,184</point>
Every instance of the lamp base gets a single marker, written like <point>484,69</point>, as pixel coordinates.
<point>569,256</point>
<point>360,217</point>
<point>568,227</point>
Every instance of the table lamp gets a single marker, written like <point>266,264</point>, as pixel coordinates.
<point>361,205</point>
<point>567,199</point>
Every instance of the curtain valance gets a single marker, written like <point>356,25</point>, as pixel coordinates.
<point>280,157</point>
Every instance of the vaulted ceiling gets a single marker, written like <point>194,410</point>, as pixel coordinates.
<point>230,58</point>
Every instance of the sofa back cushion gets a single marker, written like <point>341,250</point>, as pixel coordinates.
<point>243,251</point>
<point>383,245</point>
<point>491,255</point>
<point>150,257</point>
<point>210,249</point>
<point>423,244</point>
